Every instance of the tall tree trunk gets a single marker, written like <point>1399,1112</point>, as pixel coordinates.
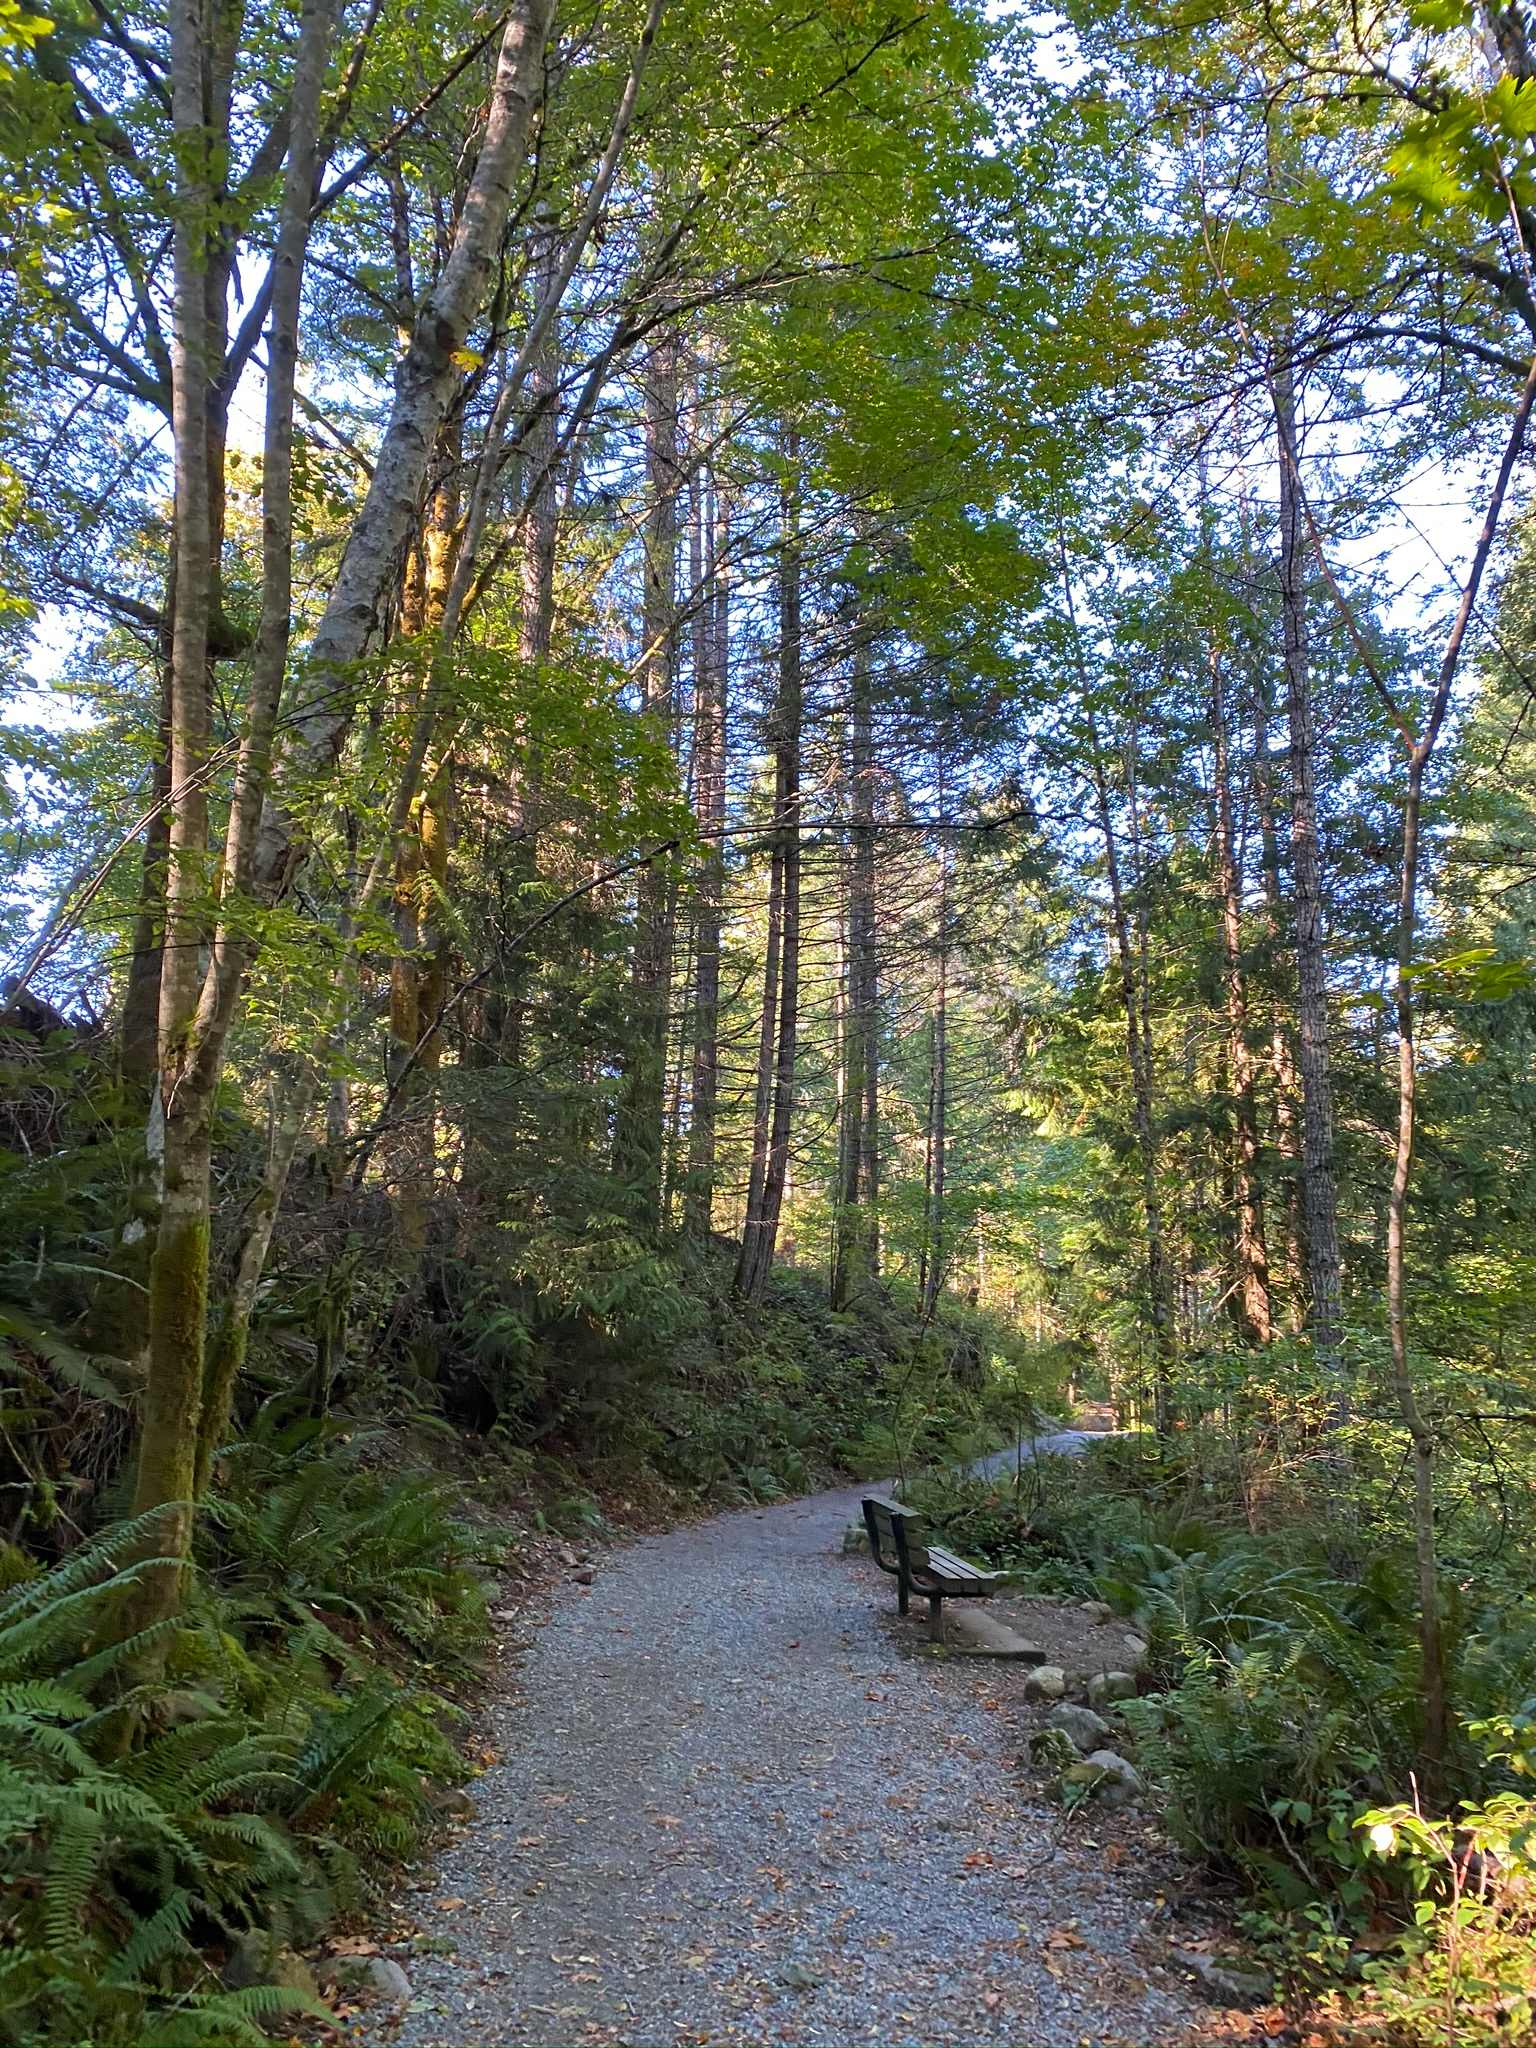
<point>419,969</point>
<point>536,616</point>
<point>1319,1186</point>
<point>760,1234</point>
<point>1282,1058</point>
<point>1139,1061</point>
<point>1248,1238</point>
<point>767,1040</point>
<point>711,654</point>
<point>856,1229</point>
<point>1135,1003</point>
<point>639,1146</point>
<point>184,1404</point>
<point>178,1281</point>
<point>1161,1269</point>
<point>935,1250</point>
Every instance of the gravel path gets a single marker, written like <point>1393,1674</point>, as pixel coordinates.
<point>734,1808</point>
<point>1057,1443</point>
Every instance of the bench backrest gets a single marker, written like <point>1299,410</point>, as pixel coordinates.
<point>892,1531</point>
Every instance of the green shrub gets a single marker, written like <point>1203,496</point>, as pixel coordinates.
<point>254,1788</point>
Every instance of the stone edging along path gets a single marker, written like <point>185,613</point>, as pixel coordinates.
<point>733,1806</point>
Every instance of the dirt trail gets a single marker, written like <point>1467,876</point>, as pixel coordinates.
<point>733,1809</point>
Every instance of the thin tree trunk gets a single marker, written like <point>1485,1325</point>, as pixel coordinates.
<point>711,643</point>
<point>536,617</point>
<point>856,1240</point>
<point>1249,1245</point>
<point>419,968</point>
<point>1135,1003</point>
<point>760,1235</point>
<point>178,1280</point>
<point>767,1039</point>
<point>227,1349</point>
<point>182,1406</point>
<point>1282,1058</point>
<point>935,1251</point>
<point>639,1138</point>
<point>1319,1185</point>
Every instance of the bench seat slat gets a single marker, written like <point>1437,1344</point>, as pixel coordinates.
<point>951,1567</point>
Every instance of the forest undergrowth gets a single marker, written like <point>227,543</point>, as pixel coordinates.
<point>1280,1718</point>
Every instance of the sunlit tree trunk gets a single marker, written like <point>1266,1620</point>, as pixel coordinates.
<point>536,615</point>
<point>711,645</point>
<point>419,968</point>
<point>638,1146</point>
<point>178,1283</point>
<point>760,1233</point>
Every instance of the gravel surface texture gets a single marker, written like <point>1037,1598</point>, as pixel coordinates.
<point>734,1808</point>
<point>1057,1443</point>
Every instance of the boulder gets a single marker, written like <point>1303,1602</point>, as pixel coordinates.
<point>1098,1612</point>
<point>1105,1687</point>
<point>1081,1725</point>
<point>375,1977</point>
<point>256,1958</point>
<point>1226,1983</point>
<point>1106,1775</point>
<point>1045,1682</point>
<point>1135,1649</point>
<point>855,1540</point>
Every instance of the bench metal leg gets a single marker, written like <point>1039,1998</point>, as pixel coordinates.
<point>936,1617</point>
<point>903,1597</point>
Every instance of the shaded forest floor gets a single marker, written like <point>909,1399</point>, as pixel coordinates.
<point>729,1799</point>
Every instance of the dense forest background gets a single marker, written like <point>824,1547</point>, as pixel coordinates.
<point>738,741</point>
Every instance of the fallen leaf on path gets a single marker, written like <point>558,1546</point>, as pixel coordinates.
<point>451,1905</point>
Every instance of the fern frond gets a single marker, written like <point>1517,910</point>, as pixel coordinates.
<point>74,1855</point>
<point>161,1935</point>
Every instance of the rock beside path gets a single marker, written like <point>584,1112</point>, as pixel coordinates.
<point>1084,1728</point>
<point>1105,1687</point>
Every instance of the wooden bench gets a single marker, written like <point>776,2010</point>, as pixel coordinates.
<point>921,1567</point>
